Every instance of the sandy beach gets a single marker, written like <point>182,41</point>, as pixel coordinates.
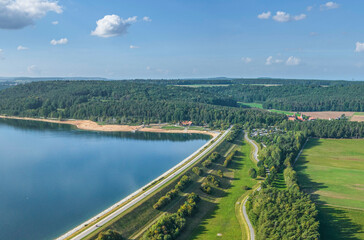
<point>93,126</point>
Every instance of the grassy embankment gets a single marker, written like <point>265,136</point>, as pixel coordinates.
<point>333,172</point>
<point>142,215</point>
<point>221,222</point>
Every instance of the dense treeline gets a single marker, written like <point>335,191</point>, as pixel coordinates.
<point>163,101</point>
<point>126,102</point>
<point>327,129</point>
<point>283,214</point>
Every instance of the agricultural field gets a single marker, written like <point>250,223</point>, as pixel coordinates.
<point>281,111</point>
<point>332,170</point>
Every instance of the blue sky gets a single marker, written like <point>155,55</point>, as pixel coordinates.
<point>122,39</point>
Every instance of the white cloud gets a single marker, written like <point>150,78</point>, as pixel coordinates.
<point>112,25</point>
<point>148,68</point>
<point>246,59</point>
<point>309,8</point>
<point>359,47</point>
<point>329,5</point>
<point>20,48</point>
<point>60,41</point>
<point>312,34</point>
<point>1,54</point>
<point>270,60</point>
<point>16,14</point>
<point>293,61</point>
<point>299,17</point>
<point>264,15</point>
<point>286,17</point>
<point>147,19</point>
<point>33,69</point>
<point>55,22</point>
<point>133,46</point>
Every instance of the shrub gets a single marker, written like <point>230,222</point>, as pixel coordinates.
<point>206,163</point>
<point>205,187</point>
<point>197,171</point>
<point>109,235</point>
<point>213,180</point>
<point>252,173</point>
<point>183,182</point>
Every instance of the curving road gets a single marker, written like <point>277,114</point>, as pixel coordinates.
<point>250,226</point>
<point>167,176</point>
<point>255,154</point>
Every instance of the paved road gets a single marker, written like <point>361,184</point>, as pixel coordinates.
<point>181,167</point>
<point>255,154</point>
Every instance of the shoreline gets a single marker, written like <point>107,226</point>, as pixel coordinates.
<point>89,125</point>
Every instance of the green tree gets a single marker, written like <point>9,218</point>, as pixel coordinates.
<point>109,235</point>
<point>252,173</point>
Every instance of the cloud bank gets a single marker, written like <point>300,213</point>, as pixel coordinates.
<point>17,14</point>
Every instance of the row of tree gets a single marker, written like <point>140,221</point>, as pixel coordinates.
<point>169,226</point>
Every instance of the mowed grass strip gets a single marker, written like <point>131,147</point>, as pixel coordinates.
<point>332,170</point>
<point>252,105</point>
<point>221,222</point>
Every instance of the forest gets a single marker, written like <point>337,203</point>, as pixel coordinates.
<point>154,101</point>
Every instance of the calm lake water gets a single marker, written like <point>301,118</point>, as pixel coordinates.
<point>53,177</point>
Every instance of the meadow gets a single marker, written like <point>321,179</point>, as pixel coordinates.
<point>332,170</point>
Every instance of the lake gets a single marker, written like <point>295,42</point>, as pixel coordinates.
<point>54,177</point>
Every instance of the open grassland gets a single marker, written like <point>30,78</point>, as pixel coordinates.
<point>251,105</point>
<point>173,127</point>
<point>332,170</point>
<point>281,111</point>
<point>221,222</point>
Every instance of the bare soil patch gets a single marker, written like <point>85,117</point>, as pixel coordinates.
<point>328,114</point>
<point>93,126</point>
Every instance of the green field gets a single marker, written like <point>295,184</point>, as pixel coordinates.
<point>222,220</point>
<point>333,172</point>
<point>173,128</point>
<point>252,105</point>
<point>281,111</point>
<point>359,113</point>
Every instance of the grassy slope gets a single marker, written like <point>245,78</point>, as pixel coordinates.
<point>281,111</point>
<point>333,171</point>
<point>223,219</point>
<point>173,128</point>
<point>252,105</point>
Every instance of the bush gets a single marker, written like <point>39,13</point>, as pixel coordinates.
<point>168,227</point>
<point>189,207</point>
<point>206,188</point>
<point>252,173</point>
<point>197,171</point>
<point>261,171</point>
<point>206,163</point>
<point>183,182</point>
<point>220,173</point>
<point>246,187</point>
<point>109,235</point>
<point>213,180</point>
<point>229,158</point>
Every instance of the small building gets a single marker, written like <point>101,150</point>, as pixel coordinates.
<point>290,118</point>
<point>186,123</point>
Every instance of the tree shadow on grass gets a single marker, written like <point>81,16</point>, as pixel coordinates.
<point>334,223</point>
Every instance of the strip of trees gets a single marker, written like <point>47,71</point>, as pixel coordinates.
<point>169,226</point>
<point>169,196</point>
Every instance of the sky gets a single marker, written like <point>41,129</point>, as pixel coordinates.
<point>128,39</point>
